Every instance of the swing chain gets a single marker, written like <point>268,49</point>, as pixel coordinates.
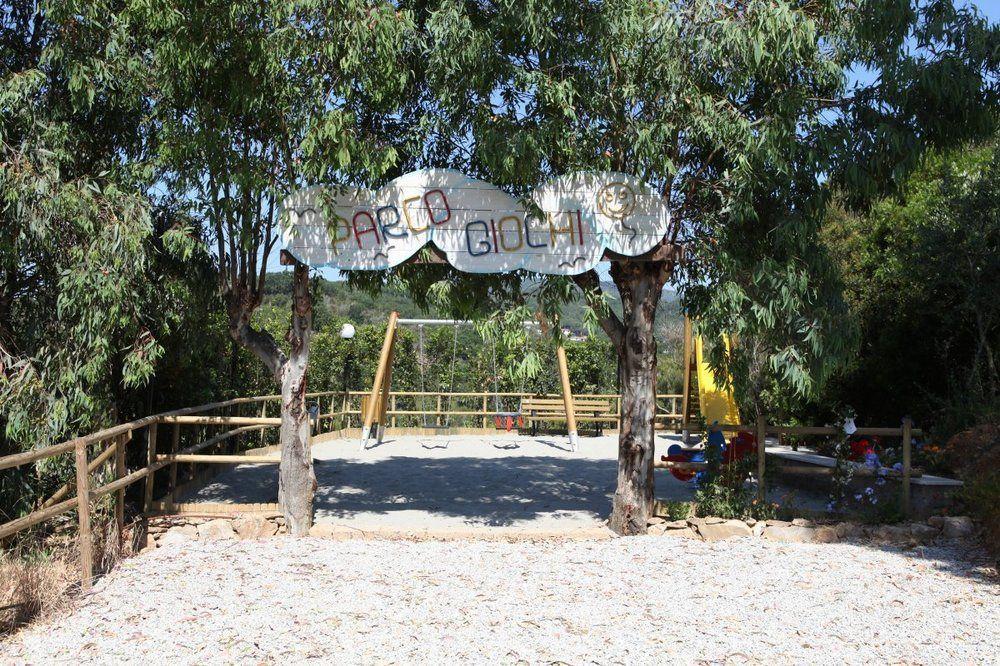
<point>421,363</point>
<point>451,385</point>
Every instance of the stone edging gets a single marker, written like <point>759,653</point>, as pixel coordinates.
<point>167,530</point>
<point>806,531</point>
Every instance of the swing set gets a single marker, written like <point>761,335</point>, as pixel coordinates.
<point>375,405</point>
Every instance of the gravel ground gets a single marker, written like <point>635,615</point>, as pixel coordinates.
<point>745,600</point>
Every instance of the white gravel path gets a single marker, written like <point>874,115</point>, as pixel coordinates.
<point>637,601</point>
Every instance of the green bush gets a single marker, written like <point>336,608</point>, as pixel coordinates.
<point>976,455</point>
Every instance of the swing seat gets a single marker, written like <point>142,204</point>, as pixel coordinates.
<point>506,420</point>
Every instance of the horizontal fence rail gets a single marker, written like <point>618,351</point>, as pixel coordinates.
<point>242,431</point>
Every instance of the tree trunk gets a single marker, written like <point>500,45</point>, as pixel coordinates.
<point>296,478</point>
<point>640,285</point>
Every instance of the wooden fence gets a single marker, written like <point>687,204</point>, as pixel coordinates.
<point>218,426</point>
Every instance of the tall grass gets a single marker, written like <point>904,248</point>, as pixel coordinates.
<point>40,578</point>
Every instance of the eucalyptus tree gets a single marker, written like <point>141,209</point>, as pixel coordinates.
<point>736,112</point>
<point>253,100</point>
<point>76,329</point>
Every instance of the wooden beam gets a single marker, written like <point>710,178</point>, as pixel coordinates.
<point>120,472</point>
<point>175,442</point>
<point>86,539</point>
<point>907,455</point>
<point>40,516</point>
<point>92,467</point>
<point>147,504</point>
<point>386,387</point>
<point>686,396</point>
<point>761,457</point>
<point>218,459</point>
<point>380,370</point>
<point>223,420</point>
<point>680,464</point>
<point>567,394</point>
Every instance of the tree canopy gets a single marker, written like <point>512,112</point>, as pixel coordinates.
<point>145,146</point>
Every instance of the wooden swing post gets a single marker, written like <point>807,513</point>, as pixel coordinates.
<point>373,406</point>
<point>567,392</point>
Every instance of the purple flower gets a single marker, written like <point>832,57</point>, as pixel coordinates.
<point>898,467</point>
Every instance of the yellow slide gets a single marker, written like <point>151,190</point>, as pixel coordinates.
<point>717,403</point>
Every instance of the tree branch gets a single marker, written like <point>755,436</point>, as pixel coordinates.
<point>590,284</point>
<point>260,343</point>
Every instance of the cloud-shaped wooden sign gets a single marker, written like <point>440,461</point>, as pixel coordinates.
<point>569,223</point>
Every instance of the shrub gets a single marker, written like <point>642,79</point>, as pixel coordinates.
<point>975,453</point>
<point>675,510</point>
<point>723,490</point>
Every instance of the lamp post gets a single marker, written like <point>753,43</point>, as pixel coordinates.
<point>347,333</point>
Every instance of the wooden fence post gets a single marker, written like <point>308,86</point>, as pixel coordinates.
<point>907,444</point>
<point>761,457</point>
<point>86,539</point>
<point>486,407</point>
<point>175,443</point>
<point>147,504</point>
<point>120,471</point>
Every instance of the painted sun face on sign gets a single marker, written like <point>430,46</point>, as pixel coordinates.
<point>616,200</point>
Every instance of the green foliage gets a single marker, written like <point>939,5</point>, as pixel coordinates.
<point>921,271</point>
<point>976,454</point>
<point>145,145</point>
<point>736,116</point>
<point>724,491</point>
<point>674,510</point>
<point>78,324</point>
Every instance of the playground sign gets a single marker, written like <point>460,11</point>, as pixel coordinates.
<point>564,227</point>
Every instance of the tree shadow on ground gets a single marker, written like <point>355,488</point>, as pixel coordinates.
<point>494,492</point>
<point>481,491</point>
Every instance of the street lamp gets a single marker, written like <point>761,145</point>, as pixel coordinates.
<point>347,333</point>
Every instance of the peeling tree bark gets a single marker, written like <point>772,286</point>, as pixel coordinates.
<point>640,285</point>
<point>296,477</point>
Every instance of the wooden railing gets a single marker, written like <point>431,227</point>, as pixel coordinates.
<point>195,430</point>
<point>191,435</point>
<point>476,408</point>
<point>93,452</point>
